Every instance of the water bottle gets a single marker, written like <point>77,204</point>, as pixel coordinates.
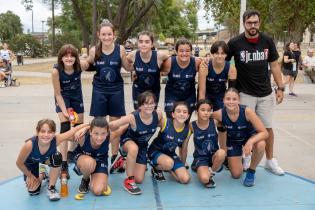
<point>64,192</point>
<point>71,114</point>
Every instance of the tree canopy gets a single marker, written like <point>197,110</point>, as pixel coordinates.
<point>10,25</point>
<point>278,16</point>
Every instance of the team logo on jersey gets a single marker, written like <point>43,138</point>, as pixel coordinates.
<point>108,74</point>
<point>170,146</point>
<point>146,80</point>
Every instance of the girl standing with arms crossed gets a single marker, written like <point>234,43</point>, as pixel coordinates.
<point>207,152</point>
<point>146,64</point>
<point>66,79</point>
<point>108,84</point>
<point>181,70</point>
<point>42,148</point>
<point>174,133</point>
<point>245,134</point>
<point>142,124</point>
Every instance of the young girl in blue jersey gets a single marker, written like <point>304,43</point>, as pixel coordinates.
<point>207,152</point>
<point>213,79</point>
<point>42,148</point>
<point>108,84</point>
<point>245,134</point>
<point>91,156</point>
<point>142,124</point>
<point>146,64</point>
<point>181,70</point>
<point>174,133</point>
<point>66,79</point>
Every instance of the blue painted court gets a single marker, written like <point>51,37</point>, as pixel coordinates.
<point>270,192</point>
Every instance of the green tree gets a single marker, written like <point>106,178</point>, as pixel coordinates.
<point>293,16</point>
<point>28,45</point>
<point>10,25</point>
<point>176,19</point>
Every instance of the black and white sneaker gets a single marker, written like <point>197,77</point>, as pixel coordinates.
<point>157,174</point>
<point>211,183</point>
<point>84,186</point>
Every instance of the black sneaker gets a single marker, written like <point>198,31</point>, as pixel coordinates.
<point>157,174</point>
<point>211,183</point>
<point>131,187</point>
<point>65,169</point>
<point>84,186</point>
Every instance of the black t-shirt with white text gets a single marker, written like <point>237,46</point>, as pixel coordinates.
<point>288,66</point>
<point>251,62</point>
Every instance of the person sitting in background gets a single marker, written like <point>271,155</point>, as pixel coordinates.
<point>5,71</point>
<point>309,65</point>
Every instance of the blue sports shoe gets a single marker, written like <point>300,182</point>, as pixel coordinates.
<point>249,180</point>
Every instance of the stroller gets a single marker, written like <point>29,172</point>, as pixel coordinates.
<point>6,72</point>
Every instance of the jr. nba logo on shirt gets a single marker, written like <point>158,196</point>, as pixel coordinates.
<point>246,56</point>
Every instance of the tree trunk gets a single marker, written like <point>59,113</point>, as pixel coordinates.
<point>54,52</point>
<point>84,28</point>
<point>121,19</point>
<point>94,37</point>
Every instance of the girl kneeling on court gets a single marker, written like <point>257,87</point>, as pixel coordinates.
<point>246,134</point>
<point>42,148</point>
<point>142,124</point>
<point>174,133</point>
<point>91,156</point>
<point>207,154</point>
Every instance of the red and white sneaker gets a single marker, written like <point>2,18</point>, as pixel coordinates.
<point>118,165</point>
<point>131,186</point>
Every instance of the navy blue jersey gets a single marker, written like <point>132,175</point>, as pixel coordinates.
<point>205,141</point>
<point>148,74</point>
<point>240,131</point>
<point>100,153</point>
<point>35,156</point>
<point>216,83</point>
<point>70,84</point>
<point>142,133</point>
<point>169,139</point>
<point>108,78</point>
<point>181,82</point>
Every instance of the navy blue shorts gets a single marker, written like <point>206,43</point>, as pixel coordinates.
<point>171,99</point>
<point>75,102</point>
<point>33,168</point>
<point>101,166</point>
<point>142,151</point>
<point>103,104</point>
<point>137,91</point>
<point>217,102</point>
<point>153,157</point>
<point>235,150</point>
<point>201,161</point>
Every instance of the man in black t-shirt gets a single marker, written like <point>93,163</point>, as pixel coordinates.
<point>253,51</point>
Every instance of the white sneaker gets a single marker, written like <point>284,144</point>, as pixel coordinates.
<point>53,194</point>
<point>246,162</point>
<point>273,167</point>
